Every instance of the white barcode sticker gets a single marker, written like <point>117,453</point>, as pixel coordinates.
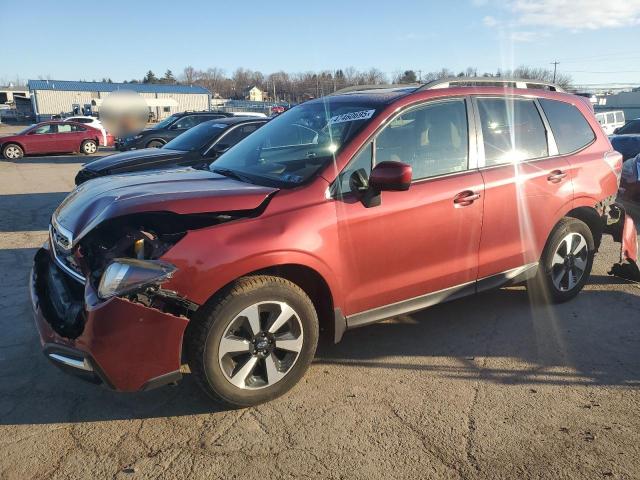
<point>352,117</point>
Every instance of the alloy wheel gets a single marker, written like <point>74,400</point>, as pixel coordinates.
<point>569,262</point>
<point>260,345</point>
<point>90,147</point>
<point>12,152</point>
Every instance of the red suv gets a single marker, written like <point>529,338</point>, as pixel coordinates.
<point>340,212</point>
<point>51,137</point>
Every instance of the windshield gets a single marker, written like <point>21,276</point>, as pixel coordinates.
<point>632,127</point>
<point>295,146</point>
<point>197,137</point>
<point>165,122</point>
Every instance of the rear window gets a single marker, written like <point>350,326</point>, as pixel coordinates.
<point>570,129</point>
<point>512,130</point>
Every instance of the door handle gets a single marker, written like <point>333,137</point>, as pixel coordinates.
<point>556,176</point>
<point>465,198</point>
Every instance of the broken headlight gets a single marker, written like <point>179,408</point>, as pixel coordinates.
<point>125,275</point>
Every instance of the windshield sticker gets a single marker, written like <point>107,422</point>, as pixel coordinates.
<point>352,117</point>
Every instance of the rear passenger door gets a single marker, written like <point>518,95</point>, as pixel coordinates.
<point>425,239</point>
<point>526,183</point>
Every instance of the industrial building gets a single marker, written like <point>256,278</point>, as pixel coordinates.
<point>59,97</point>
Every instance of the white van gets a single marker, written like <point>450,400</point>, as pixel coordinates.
<point>609,121</point>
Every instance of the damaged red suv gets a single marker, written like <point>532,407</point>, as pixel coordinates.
<point>340,212</point>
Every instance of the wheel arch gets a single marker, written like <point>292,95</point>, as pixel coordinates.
<point>592,218</point>
<point>312,282</point>
<point>155,139</point>
<point>12,142</point>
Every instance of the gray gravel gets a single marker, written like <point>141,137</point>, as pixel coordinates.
<point>487,387</point>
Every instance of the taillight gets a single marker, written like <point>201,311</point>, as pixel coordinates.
<point>614,160</point>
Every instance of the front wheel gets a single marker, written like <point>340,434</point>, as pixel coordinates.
<point>88,147</point>
<point>254,341</point>
<point>566,262</point>
<point>12,152</point>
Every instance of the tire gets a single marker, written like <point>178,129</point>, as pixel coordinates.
<point>255,368</point>
<point>12,151</point>
<point>88,147</point>
<point>155,144</point>
<point>562,275</point>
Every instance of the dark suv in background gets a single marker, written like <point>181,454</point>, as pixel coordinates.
<point>166,130</point>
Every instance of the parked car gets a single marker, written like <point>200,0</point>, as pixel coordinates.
<point>248,114</point>
<point>106,139</point>
<point>197,147</point>
<point>51,137</point>
<point>610,121</point>
<point>632,127</point>
<point>630,182</point>
<point>166,130</point>
<point>338,213</point>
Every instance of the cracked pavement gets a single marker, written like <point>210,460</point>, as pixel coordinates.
<point>485,387</point>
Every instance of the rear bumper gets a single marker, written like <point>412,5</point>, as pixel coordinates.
<point>124,345</point>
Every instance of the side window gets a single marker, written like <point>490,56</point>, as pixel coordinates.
<point>43,129</point>
<point>433,139</point>
<point>360,161</point>
<point>64,128</point>
<point>232,137</point>
<point>610,118</point>
<point>570,129</point>
<point>512,130</point>
<point>185,122</point>
<point>78,128</point>
<point>619,117</point>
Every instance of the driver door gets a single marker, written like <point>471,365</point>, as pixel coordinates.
<point>421,241</point>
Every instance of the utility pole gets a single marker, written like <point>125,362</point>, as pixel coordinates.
<point>555,67</point>
<point>419,76</point>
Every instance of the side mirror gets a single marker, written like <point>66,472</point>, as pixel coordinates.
<point>615,131</point>
<point>391,176</point>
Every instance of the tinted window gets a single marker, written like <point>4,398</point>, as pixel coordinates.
<point>632,127</point>
<point>186,122</point>
<point>197,137</point>
<point>238,134</point>
<point>432,139</point>
<point>78,128</point>
<point>44,129</point>
<point>570,129</point>
<point>512,130</point>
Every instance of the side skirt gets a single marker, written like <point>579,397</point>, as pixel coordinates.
<point>510,277</point>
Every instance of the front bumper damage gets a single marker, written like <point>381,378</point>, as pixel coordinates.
<point>120,343</point>
<point>622,229</point>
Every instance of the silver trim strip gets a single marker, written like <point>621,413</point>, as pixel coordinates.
<point>72,362</point>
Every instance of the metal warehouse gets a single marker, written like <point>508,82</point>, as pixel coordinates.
<point>56,97</point>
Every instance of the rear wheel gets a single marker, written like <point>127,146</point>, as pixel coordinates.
<point>566,262</point>
<point>12,151</point>
<point>254,341</point>
<point>154,144</point>
<point>88,147</point>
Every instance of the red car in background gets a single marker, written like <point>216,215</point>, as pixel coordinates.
<point>51,137</point>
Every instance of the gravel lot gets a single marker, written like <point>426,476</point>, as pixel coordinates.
<point>487,387</point>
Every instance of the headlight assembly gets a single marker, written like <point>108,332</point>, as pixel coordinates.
<point>125,275</point>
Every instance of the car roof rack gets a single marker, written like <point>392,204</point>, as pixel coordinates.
<point>384,86</point>
<point>490,82</point>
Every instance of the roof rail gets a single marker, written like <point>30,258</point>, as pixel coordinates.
<point>359,88</point>
<point>490,82</point>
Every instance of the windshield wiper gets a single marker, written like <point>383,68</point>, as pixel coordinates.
<point>227,172</point>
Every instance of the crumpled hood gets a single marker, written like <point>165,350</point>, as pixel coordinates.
<point>180,191</point>
<point>124,160</point>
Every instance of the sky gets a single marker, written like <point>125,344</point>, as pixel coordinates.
<point>594,41</point>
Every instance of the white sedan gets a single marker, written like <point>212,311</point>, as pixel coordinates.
<point>91,122</point>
